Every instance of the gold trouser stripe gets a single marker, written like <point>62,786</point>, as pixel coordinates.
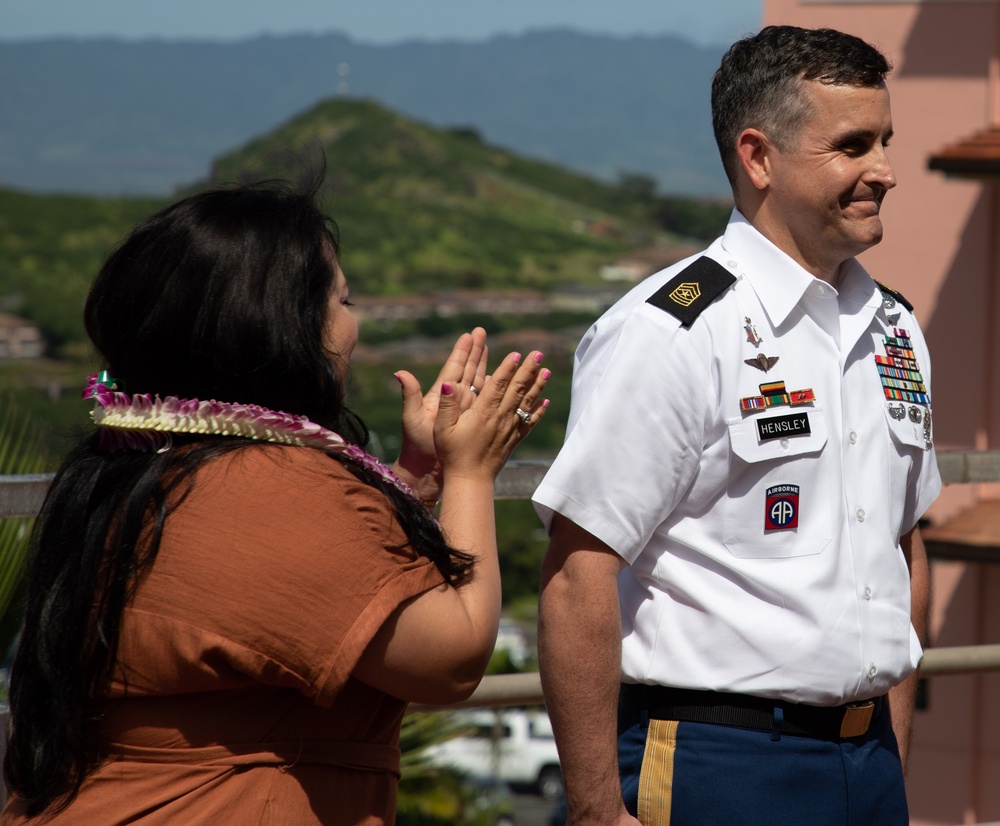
<point>656,778</point>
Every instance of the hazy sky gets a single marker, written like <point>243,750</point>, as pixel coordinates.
<point>374,21</point>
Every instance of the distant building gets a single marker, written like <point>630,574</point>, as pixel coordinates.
<point>585,299</point>
<point>640,264</point>
<point>450,303</point>
<point>19,338</point>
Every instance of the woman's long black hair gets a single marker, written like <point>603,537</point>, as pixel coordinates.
<point>223,295</point>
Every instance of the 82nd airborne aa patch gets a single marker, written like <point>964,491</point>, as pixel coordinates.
<point>781,508</point>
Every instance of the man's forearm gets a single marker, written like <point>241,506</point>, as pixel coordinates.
<point>580,661</point>
<point>903,696</point>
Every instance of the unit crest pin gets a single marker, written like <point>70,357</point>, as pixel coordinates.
<point>752,335</point>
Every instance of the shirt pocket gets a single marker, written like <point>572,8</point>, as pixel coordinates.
<point>909,425</point>
<point>774,507</point>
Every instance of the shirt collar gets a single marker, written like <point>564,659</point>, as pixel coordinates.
<point>780,282</point>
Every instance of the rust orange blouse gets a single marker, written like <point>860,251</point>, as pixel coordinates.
<point>236,702</point>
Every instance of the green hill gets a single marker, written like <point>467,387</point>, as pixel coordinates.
<point>419,208</point>
<point>50,248</point>
<point>422,208</point>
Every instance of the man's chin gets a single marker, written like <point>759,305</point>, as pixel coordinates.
<point>867,232</point>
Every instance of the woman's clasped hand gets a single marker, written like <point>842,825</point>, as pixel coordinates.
<point>468,421</point>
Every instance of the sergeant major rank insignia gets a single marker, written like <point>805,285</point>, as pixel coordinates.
<point>688,293</point>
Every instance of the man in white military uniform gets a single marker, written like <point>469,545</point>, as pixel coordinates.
<point>735,592</point>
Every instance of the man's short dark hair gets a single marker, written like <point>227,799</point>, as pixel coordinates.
<point>758,83</point>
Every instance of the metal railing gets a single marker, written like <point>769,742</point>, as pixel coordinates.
<point>957,467</point>
<point>21,496</point>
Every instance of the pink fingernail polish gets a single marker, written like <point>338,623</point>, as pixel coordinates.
<point>517,358</point>
<point>538,358</point>
<point>545,404</point>
<point>546,374</point>
<point>446,389</point>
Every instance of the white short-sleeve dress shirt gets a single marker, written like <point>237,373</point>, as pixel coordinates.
<point>759,506</point>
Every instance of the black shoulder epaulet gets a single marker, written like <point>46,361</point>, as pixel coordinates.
<point>689,292</point>
<point>887,291</point>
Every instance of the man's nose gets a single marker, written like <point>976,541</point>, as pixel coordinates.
<point>880,173</point>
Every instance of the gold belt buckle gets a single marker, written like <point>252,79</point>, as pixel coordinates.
<point>857,718</point>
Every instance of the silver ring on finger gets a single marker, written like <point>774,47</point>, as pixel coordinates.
<point>523,415</point>
<point>473,390</point>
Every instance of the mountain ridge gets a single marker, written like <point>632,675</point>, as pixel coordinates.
<point>112,116</point>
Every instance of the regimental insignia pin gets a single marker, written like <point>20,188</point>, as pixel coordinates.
<point>762,362</point>
<point>916,414</point>
<point>686,294</point>
<point>898,412</point>
<point>752,335</point>
<point>893,319</point>
<point>781,508</point>
<point>888,301</point>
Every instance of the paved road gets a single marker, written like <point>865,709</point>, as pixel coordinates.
<point>531,810</point>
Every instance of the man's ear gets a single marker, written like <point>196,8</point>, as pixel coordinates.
<point>754,152</point>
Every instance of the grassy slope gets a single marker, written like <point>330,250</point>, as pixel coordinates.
<point>422,208</point>
<point>50,248</point>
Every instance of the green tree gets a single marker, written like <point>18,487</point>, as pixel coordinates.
<point>20,453</point>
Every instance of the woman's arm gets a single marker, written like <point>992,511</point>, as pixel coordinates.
<point>434,648</point>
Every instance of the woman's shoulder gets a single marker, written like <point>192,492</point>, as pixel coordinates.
<point>279,464</point>
<point>298,479</point>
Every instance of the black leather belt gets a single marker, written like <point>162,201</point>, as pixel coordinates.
<point>744,711</point>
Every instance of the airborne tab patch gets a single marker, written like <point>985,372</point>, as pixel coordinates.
<point>688,293</point>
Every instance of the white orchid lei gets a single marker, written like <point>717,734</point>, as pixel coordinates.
<point>147,422</point>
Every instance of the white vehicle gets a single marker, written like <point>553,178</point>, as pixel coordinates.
<point>512,745</point>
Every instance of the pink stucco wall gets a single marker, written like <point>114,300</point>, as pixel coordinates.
<point>942,250</point>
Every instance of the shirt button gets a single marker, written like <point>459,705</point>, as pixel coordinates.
<point>868,592</point>
<point>860,514</point>
<point>872,671</point>
<point>854,438</point>
<point>731,265</point>
<point>784,443</point>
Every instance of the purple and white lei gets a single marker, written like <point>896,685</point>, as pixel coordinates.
<point>147,422</point>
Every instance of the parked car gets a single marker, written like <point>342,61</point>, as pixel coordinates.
<point>559,813</point>
<point>515,746</point>
<point>492,803</point>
